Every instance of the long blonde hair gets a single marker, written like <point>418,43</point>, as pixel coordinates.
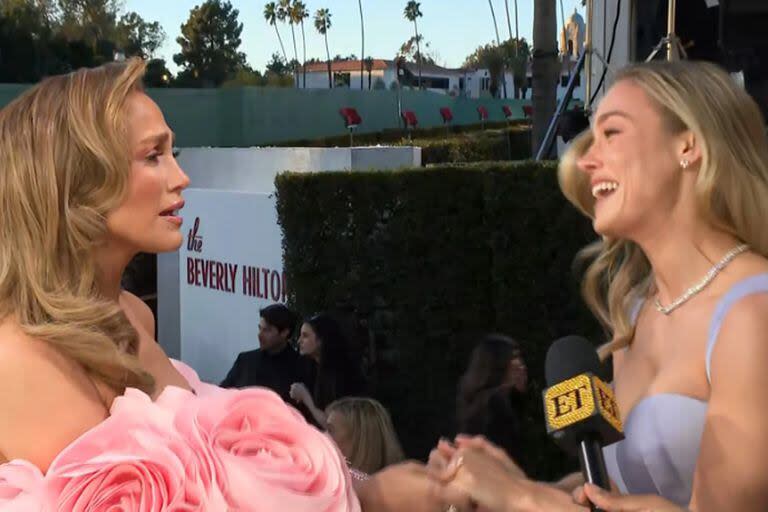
<point>65,165</point>
<point>374,441</point>
<point>731,186</point>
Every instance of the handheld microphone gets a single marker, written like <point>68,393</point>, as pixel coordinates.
<point>580,409</point>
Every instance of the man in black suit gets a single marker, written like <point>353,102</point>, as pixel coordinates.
<point>275,365</point>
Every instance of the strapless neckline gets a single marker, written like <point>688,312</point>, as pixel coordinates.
<point>648,398</point>
<point>662,439</point>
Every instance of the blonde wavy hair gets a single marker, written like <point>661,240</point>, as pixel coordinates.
<point>731,186</point>
<point>65,165</point>
<point>374,441</point>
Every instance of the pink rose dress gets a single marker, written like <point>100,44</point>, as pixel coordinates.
<point>211,450</point>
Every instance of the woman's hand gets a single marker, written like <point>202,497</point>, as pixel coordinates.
<point>300,393</point>
<point>445,451</point>
<point>477,478</point>
<point>405,486</point>
<point>617,503</point>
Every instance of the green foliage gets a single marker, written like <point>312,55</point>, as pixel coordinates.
<point>513,55</point>
<point>244,78</point>
<point>322,20</point>
<point>138,37</point>
<point>488,145</point>
<point>249,78</point>
<point>39,38</point>
<point>412,52</point>
<point>210,40</point>
<point>157,74</point>
<point>278,65</point>
<point>424,262</point>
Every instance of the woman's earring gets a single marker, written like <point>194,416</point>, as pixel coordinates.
<point>684,164</point>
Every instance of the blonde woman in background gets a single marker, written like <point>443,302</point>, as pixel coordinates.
<point>363,431</point>
<point>674,174</point>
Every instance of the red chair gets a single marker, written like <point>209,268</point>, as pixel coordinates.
<point>351,121</point>
<point>528,111</point>
<point>446,114</point>
<point>508,115</point>
<point>410,120</point>
<point>483,113</point>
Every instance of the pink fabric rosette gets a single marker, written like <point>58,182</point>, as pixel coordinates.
<point>190,375</point>
<point>134,461</point>
<point>263,454</point>
<point>20,487</point>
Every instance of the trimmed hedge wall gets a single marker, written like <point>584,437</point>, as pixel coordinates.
<point>489,145</point>
<point>422,262</point>
<point>394,136</point>
<point>457,145</point>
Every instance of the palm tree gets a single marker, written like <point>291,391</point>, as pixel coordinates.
<point>362,37</point>
<point>284,13</point>
<point>545,67</point>
<point>509,21</point>
<point>299,12</point>
<point>271,15</point>
<point>519,62</point>
<point>498,43</point>
<point>411,13</point>
<point>517,26</point>
<point>322,24</point>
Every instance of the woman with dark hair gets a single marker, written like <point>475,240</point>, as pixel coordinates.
<point>490,392</point>
<point>338,371</point>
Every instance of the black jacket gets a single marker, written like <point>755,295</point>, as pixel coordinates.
<point>274,371</point>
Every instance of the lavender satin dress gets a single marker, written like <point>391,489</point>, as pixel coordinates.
<point>663,431</point>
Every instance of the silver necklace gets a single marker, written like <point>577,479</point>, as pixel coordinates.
<point>693,290</point>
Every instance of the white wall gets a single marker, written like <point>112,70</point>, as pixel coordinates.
<point>389,77</point>
<point>319,79</point>
<point>315,80</point>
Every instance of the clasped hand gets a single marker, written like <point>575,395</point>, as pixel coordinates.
<point>473,475</point>
<point>478,476</point>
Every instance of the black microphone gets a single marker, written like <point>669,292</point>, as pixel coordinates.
<point>579,407</point>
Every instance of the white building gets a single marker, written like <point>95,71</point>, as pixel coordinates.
<point>382,75</point>
<point>468,82</point>
<point>346,74</point>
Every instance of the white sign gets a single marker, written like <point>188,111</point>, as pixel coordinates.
<point>237,268</point>
<point>230,266</point>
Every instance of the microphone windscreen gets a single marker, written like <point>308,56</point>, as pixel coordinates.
<point>568,357</point>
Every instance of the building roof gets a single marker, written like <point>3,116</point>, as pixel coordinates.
<point>347,65</point>
<point>378,64</point>
<point>431,68</point>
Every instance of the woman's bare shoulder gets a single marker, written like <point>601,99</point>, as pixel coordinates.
<point>47,401</point>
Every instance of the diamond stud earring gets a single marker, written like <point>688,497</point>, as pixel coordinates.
<point>684,164</point>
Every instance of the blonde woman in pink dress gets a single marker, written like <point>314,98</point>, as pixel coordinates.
<point>94,415</point>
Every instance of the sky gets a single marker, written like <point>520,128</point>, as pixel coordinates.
<point>453,28</point>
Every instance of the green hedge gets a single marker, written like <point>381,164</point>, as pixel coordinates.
<point>396,136</point>
<point>440,146</point>
<point>489,145</point>
<point>423,262</point>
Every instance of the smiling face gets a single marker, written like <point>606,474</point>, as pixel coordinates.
<point>148,218</point>
<point>634,164</point>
